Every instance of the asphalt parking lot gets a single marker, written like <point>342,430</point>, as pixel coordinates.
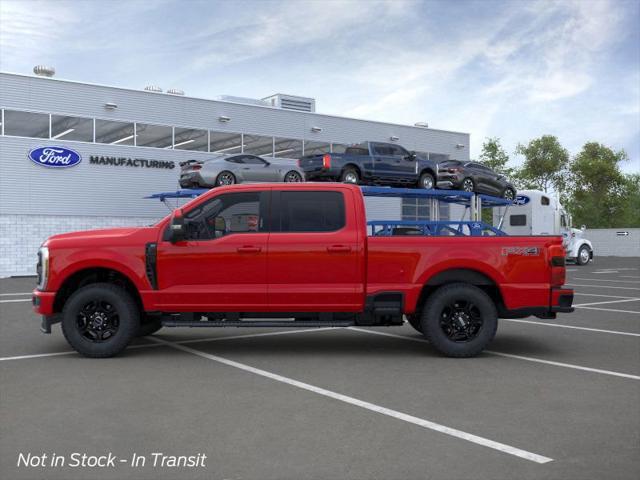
<point>556,399</point>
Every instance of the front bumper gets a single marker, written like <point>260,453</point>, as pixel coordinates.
<point>43,304</point>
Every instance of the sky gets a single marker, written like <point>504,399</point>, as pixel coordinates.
<point>513,69</point>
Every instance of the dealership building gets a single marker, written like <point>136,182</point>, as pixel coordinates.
<point>129,144</point>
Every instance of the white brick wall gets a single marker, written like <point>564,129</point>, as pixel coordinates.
<point>607,242</point>
<point>19,257</point>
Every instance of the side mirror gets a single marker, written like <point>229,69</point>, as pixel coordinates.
<point>411,156</point>
<point>583,228</point>
<point>177,232</point>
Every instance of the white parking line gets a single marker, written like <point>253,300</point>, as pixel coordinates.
<point>509,355</point>
<point>16,300</point>
<point>598,295</point>
<point>610,310</point>
<point>602,286</point>
<point>606,280</point>
<point>629,276</point>
<point>546,324</point>
<point>181,342</point>
<point>606,271</point>
<point>608,301</point>
<point>14,294</point>
<point>421,422</point>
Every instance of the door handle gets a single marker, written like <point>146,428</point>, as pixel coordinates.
<point>339,249</point>
<point>249,249</point>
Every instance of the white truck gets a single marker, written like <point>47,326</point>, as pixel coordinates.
<point>537,213</point>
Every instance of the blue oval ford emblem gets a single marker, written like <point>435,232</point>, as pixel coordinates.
<point>521,200</point>
<point>55,157</point>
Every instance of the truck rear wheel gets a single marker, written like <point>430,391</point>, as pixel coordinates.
<point>350,175</point>
<point>100,320</point>
<point>459,320</point>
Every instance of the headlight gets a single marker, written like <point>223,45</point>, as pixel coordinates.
<point>42,268</point>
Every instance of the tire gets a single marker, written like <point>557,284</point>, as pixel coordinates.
<point>459,337</point>
<point>509,194</point>
<point>350,175</point>
<point>468,185</point>
<point>415,322</point>
<point>293,177</point>
<point>114,318</point>
<point>148,327</point>
<point>426,182</point>
<point>225,178</point>
<point>584,255</point>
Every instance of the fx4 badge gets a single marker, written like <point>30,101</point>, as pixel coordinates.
<point>522,251</point>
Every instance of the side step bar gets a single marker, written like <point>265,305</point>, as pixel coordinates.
<point>258,323</point>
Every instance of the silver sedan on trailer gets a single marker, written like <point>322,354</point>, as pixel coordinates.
<point>230,169</point>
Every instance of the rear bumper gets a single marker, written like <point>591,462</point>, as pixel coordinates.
<point>447,180</point>
<point>191,179</point>
<point>560,302</point>
<point>320,174</point>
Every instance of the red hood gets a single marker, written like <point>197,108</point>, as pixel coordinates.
<point>103,237</point>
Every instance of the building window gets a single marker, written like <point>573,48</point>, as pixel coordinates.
<point>287,148</point>
<point>415,209</point>
<point>316,148</point>
<point>258,145</point>
<point>71,128</point>
<point>157,136</point>
<point>191,139</point>
<point>114,133</point>
<point>26,124</point>
<point>225,143</point>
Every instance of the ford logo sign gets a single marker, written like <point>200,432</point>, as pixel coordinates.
<point>521,200</point>
<point>55,157</point>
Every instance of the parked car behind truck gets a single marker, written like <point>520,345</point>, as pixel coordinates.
<point>290,251</point>
<point>372,163</point>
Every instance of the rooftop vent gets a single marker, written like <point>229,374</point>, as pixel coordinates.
<point>44,71</point>
<point>175,91</point>
<point>291,102</point>
<point>153,88</point>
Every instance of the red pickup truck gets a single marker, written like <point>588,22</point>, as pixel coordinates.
<point>290,255</point>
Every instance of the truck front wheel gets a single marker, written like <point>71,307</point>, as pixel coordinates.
<point>459,320</point>
<point>584,255</point>
<point>100,320</point>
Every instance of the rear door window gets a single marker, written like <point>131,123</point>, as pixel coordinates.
<point>518,220</point>
<point>311,211</point>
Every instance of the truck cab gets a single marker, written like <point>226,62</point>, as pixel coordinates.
<point>537,213</point>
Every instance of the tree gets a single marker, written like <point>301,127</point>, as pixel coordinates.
<point>630,216</point>
<point>600,195</point>
<point>545,164</point>
<point>495,157</point>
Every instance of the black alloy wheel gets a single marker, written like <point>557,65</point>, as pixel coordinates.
<point>98,321</point>
<point>461,321</point>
